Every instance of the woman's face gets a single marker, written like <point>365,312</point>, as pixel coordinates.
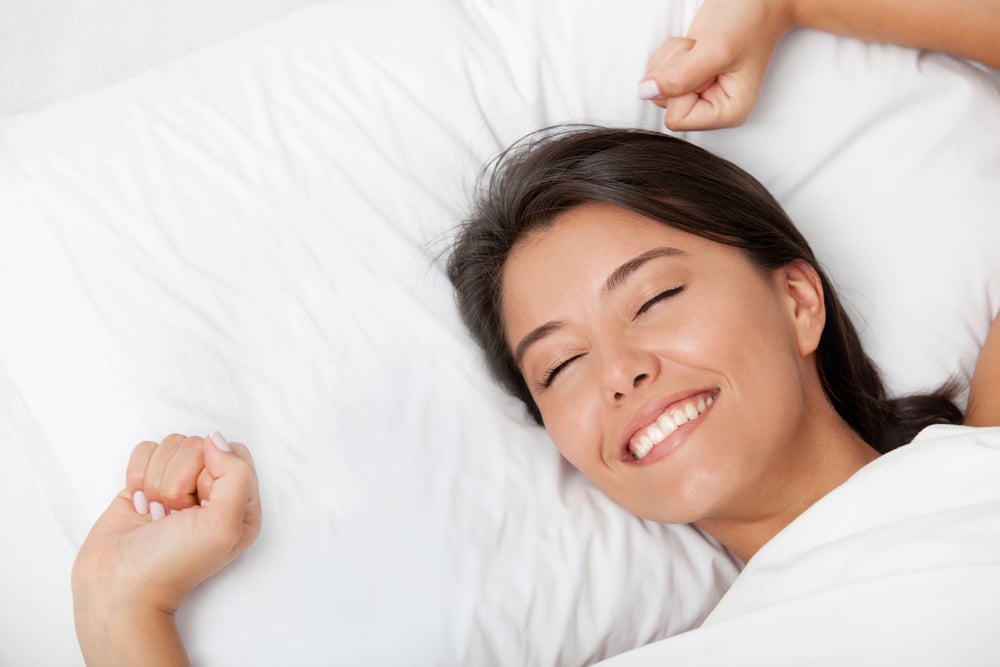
<point>667,368</point>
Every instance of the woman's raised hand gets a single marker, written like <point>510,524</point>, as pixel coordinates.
<point>190,506</point>
<point>712,77</point>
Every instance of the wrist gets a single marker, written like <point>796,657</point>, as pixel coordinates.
<point>793,11</point>
<point>118,624</point>
<point>785,15</point>
<point>833,17</point>
<point>128,635</point>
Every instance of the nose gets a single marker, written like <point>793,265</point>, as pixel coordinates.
<point>625,371</point>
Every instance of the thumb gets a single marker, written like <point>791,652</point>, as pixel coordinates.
<point>223,457</point>
<point>233,497</point>
<point>678,68</point>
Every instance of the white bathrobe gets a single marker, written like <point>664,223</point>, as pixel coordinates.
<point>900,565</point>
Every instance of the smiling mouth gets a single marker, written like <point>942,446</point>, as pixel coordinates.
<point>670,420</point>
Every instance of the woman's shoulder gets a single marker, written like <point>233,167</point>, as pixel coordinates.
<point>940,449</point>
<point>928,506</point>
<point>943,467</point>
<point>981,436</point>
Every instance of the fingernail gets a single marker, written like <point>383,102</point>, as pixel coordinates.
<point>157,511</point>
<point>204,503</point>
<point>648,89</point>
<point>219,441</point>
<point>140,503</point>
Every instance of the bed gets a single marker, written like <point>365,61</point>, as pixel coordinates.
<point>250,238</point>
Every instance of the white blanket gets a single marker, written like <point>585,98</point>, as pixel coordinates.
<point>900,565</point>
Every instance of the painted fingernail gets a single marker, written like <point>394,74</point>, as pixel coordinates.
<point>219,441</point>
<point>648,89</point>
<point>140,503</point>
<point>156,511</point>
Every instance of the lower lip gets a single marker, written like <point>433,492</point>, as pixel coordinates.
<point>667,446</point>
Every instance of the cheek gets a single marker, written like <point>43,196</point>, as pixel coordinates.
<point>748,329</point>
<point>573,428</point>
<point>699,335</point>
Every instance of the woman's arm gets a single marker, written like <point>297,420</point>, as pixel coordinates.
<point>984,394</point>
<point>190,506</point>
<point>966,28</point>
<point>712,77</point>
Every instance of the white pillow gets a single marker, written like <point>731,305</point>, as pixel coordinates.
<point>249,239</point>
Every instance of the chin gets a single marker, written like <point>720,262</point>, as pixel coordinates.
<point>689,508</point>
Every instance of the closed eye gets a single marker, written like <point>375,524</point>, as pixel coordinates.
<point>674,291</point>
<point>551,374</point>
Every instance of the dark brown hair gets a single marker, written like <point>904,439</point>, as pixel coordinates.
<point>682,186</point>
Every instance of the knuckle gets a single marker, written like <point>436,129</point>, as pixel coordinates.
<point>135,473</point>
<point>173,439</point>
<point>192,442</point>
<point>673,125</point>
<point>670,81</point>
<point>677,44</point>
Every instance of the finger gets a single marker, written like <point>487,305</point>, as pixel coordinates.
<point>155,471</point>
<point>728,102</point>
<point>178,485</point>
<point>679,110</point>
<point>695,112</point>
<point>135,475</point>
<point>662,102</point>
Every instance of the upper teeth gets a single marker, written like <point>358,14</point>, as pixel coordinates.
<point>667,423</point>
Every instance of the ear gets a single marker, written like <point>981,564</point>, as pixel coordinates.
<point>802,289</point>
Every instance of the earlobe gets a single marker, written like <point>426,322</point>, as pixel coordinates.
<point>804,289</point>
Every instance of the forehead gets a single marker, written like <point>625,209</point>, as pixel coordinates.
<point>573,257</point>
<point>596,225</point>
<point>589,239</point>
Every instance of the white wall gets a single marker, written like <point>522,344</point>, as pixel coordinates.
<point>50,49</point>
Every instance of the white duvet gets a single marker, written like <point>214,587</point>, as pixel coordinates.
<point>898,566</point>
<point>249,239</point>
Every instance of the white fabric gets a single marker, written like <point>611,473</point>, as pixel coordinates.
<point>899,565</point>
<point>248,239</point>
<point>51,49</point>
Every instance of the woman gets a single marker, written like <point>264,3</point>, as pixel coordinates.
<point>651,305</point>
<point>646,300</point>
<point>696,347</point>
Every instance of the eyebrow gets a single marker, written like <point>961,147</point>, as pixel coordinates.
<point>533,337</point>
<point>617,277</point>
<point>622,273</point>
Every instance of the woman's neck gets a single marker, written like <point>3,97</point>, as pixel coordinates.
<point>831,455</point>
